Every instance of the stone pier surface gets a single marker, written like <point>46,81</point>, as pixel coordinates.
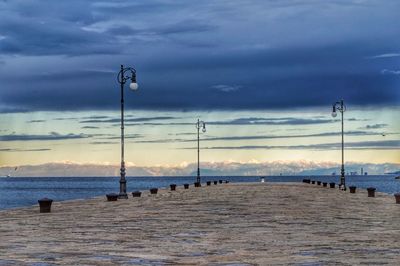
<point>228,224</point>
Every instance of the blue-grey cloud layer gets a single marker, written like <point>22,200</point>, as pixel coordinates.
<point>199,55</point>
<point>360,145</point>
<point>265,137</point>
<point>50,136</point>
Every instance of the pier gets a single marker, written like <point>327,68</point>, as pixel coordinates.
<point>239,224</point>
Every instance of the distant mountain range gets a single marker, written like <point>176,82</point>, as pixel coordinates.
<point>224,168</point>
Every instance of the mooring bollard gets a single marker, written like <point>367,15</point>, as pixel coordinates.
<point>45,205</point>
<point>318,183</point>
<point>313,182</point>
<point>112,197</point>
<point>186,186</point>
<point>173,187</point>
<point>325,184</point>
<point>397,197</point>
<point>136,194</point>
<point>208,183</point>
<point>215,182</point>
<point>220,181</point>
<point>371,192</point>
<point>332,185</point>
<point>352,189</point>
<point>197,184</point>
<point>153,190</point>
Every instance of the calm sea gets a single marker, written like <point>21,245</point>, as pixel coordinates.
<point>25,191</point>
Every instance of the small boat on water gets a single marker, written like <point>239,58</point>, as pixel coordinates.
<point>397,177</point>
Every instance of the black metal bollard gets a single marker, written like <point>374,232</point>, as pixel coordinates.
<point>45,205</point>
<point>397,197</point>
<point>332,185</point>
<point>186,186</point>
<point>173,187</point>
<point>371,192</point>
<point>325,184</point>
<point>136,194</point>
<point>208,183</point>
<point>197,184</point>
<point>312,182</point>
<point>220,181</point>
<point>352,189</point>
<point>318,183</point>
<point>112,197</point>
<point>215,182</point>
<point>153,190</point>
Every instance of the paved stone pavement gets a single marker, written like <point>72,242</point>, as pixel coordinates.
<point>225,224</point>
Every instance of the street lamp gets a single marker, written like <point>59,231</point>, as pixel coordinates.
<point>125,74</point>
<point>342,108</point>
<point>199,124</point>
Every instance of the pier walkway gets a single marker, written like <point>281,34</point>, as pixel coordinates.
<point>224,224</point>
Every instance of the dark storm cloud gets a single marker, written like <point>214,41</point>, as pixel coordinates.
<point>12,110</point>
<point>248,121</point>
<point>24,150</point>
<point>89,127</point>
<point>97,117</point>
<point>272,121</point>
<point>50,28</point>
<point>126,120</point>
<point>50,136</point>
<point>266,54</point>
<point>362,145</point>
<point>375,126</point>
<point>190,26</point>
<point>325,134</point>
<point>65,118</point>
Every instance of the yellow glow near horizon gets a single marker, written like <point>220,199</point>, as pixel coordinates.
<point>102,143</point>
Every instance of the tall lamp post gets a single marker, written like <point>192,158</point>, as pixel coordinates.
<point>341,107</point>
<point>202,125</point>
<point>124,75</point>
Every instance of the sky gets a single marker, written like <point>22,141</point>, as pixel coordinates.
<point>263,75</point>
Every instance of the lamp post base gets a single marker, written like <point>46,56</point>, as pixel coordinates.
<point>122,196</point>
<point>122,186</point>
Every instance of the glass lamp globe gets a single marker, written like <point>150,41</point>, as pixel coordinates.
<point>204,129</point>
<point>334,114</point>
<point>133,86</point>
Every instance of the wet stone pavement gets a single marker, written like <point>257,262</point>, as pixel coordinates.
<point>224,224</point>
